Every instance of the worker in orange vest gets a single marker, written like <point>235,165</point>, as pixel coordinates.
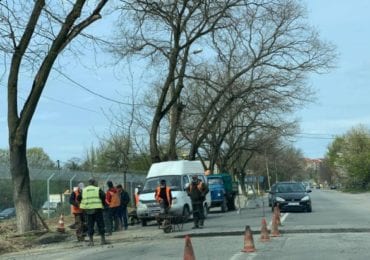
<point>163,196</point>
<point>80,223</point>
<point>113,200</point>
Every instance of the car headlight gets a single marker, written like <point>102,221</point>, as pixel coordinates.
<point>141,206</point>
<point>279,199</point>
<point>305,198</point>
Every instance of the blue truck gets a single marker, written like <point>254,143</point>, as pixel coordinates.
<point>223,191</point>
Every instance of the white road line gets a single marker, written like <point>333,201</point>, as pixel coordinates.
<point>242,255</point>
<point>282,219</point>
<point>250,256</point>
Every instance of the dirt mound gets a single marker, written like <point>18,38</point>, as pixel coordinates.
<point>10,241</point>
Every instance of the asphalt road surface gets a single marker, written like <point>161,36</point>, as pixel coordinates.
<point>338,228</point>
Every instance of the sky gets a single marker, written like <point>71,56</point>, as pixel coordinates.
<point>69,119</point>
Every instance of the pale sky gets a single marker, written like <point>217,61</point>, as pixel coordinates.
<point>69,119</point>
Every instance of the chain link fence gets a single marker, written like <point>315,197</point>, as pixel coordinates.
<point>61,181</point>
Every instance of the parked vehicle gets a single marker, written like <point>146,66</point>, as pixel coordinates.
<point>7,213</point>
<point>51,207</point>
<point>177,175</point>
<point>291,196</point>
<point>55,201</point>
<point>223,191</point>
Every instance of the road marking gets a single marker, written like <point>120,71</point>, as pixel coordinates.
<point>282,219</point>
<point>250,256</point>
<point>242,255</point>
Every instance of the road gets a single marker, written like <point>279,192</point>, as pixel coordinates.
<point>338,228</point>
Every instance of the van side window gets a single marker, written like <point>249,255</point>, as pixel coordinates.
<point>185,180</point>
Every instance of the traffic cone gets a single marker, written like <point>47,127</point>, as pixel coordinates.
<point>248,241</point>
<point>264,231</point>
<point>188,251</point>
<point>277,213</point>
<point>60,227</point>
<point>274,227</point>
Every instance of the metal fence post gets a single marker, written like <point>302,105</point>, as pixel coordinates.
<point>70,183</point>
<point>48,192</point>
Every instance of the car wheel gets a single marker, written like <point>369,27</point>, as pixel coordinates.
<point>309,208</point>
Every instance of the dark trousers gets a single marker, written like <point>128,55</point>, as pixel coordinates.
<point>198,213</point>
<point>111,220</point>
<point>80,225</point>
<point>95,217</point>
<point>122,216</point>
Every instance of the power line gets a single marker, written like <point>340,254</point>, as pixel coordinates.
<point>90,91</point>
<point>62,102</point>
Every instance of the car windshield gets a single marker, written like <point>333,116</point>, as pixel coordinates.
<point>173,181</point>
<point>289,187</point>
<point>212,181</point>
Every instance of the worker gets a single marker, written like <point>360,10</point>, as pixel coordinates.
<point>163,196</point>
<point>122,211</point>
<point>197,191</point>
<point>113,200</point>
<point>137,195</point>
<point>92,200</point>
<point>78,213</point>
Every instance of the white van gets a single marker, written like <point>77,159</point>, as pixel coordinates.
<point>177,175</point>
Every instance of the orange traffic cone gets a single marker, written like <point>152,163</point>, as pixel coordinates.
<point>277,213</point>
<point>264,231</point>
<point>60,227</point>
<point>274,227</point>
<point>248,241</point>
<point>188,251</point>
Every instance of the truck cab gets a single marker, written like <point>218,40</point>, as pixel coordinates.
<point>223,191</point>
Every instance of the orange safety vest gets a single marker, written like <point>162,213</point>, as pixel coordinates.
<point>158,192</point>
<point>116,199</point>
<point>136,199</point>
<point>74,209</point>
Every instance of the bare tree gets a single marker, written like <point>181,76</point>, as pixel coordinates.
<point>262,62</point>
<point>256,48</point>
<point>168,32</point>
<point>38,32</point>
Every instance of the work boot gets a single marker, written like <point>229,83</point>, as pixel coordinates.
<point>103,241</point>
<point>91,241</point>
<point>201,224</point>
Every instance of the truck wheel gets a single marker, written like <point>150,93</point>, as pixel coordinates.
<point>224,207</point>
<point>143,223</point>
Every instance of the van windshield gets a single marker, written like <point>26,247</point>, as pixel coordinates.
<point>173,181</point>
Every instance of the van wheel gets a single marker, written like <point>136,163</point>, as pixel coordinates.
<point>185,213</point>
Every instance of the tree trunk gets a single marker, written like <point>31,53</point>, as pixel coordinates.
<point>174,115</point>
<point>26,220</point>
<point>154,151</point>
